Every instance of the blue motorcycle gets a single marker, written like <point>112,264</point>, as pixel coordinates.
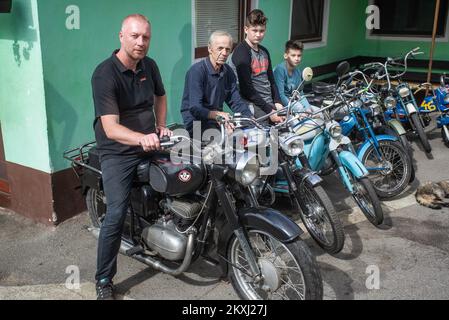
<point>328,149</point>
<point>438,101</point>
<point>278,149</point>
<point>388,163</point>
<point>398,100</point>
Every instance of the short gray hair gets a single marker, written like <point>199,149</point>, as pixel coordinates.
<point>136,16</point>
<point>219,33</point>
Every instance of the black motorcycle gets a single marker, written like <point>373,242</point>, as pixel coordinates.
<point>181,212</point>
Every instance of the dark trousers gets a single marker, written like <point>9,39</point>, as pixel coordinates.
<point>118,174</point>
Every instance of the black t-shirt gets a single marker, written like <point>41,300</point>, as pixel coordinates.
<point>118,90</point>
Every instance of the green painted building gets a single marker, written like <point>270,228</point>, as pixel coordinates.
<point>49,49</point>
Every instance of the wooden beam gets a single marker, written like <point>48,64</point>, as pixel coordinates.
<point>432,47</point>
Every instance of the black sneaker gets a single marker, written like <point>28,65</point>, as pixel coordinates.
<point>105,290</point>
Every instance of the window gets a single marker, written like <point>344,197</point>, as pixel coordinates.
<point>400,18</point>
<point>212,15</point>
<point>307,20</point>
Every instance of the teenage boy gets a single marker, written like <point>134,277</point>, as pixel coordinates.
<point>288,76</point>
<point>252,64</point>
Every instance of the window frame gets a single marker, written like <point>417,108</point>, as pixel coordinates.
<point>201,52</point>
<point>371,36</point>
<point>324,28</point>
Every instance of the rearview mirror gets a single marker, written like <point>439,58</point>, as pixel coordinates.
<point>342,68</point>
<point>307,74</point>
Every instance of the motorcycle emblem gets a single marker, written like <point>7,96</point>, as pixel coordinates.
<point>184,176</point>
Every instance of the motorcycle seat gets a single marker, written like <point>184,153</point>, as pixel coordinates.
<point>323,87</point>
<point>94,158</point>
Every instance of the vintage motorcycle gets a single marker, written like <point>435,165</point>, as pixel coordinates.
<point>385,158</point>
<point>399,100</point>
<point>301,185</point>
<point>180,212</point>
<point>438,101</point>
<point>329,150</point>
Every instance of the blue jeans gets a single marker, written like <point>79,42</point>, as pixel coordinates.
<point>118,174</point>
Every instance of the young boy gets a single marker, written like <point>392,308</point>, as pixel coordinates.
<point>252,64</point>
<point>287,74</point>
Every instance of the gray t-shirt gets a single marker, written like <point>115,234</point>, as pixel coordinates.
<point>259,76</point>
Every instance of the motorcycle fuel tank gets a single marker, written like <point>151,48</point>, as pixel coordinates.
<point>175,179</point>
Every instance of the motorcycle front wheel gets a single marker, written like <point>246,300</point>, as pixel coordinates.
<point>289,271</point>
<point>366,198</point>
<point>396,170</point>
<point>445,135</point>
<point>319,217</point>
<point>402,138</point>
<point>414,118</point>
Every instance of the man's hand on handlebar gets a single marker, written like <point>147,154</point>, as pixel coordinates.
<point>219,115</point>
<point>150,142</point>
<point>163,131</point>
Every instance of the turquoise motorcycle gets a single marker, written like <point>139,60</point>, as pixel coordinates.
<point>328,150</point>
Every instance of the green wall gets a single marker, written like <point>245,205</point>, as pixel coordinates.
<point>45,96</point>
<point>22,102</point>
<point>344,27</point>
<point>384,48</point>
<point>70,57</point>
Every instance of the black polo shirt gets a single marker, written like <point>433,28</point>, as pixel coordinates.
<point>118,90</point>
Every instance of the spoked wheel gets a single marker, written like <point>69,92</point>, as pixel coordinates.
<point>445,135</point>
<point>420,132</point>
<point>366,198</point>
<point>402,139</point>
<point>390,173</point>
<point>96,205</point>
<point>288,270</point>
<point>319,217</point>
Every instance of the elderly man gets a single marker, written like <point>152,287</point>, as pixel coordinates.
<point>126,88</point>
<point>208,84</point>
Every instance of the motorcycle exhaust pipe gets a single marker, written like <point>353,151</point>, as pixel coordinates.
<point>148,260</point>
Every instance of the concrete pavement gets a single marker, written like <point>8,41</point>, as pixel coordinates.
<point>410,254</point>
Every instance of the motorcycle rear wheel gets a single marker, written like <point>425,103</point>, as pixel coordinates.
<point>319,217</point>
<point>96,206</point>
<point>289,270</point>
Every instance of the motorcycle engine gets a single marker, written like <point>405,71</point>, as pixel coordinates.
<point>166,235</point>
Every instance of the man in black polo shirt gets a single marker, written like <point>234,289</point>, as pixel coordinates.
<point>125,88</point>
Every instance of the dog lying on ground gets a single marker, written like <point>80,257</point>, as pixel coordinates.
<point>432,194</point>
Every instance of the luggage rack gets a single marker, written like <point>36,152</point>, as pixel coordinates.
<point>79,157</point>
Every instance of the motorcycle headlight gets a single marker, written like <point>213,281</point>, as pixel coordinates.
<point>404,92</point>
<point>335,131</point>
<point>247,168</point>
<point>291,144</point>
<point>390,102</point>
